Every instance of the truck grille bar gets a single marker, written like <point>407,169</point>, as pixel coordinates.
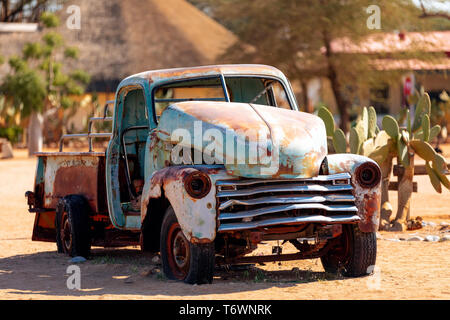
<point>283,188</point>
<point>281,199</point>
<point>254,203</point>
<point>266,210</point>
<point>287,221</point>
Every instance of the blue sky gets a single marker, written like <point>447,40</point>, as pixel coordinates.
<point>435,5</point>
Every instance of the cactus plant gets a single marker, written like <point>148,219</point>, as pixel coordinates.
<point>361,136</point>
<point>337,142</point>
<point>414,139</point>
<point>393,141</point>
<point>376,144</point>
<point>367,139</point>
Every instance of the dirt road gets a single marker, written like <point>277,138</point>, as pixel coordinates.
<point>33,270</point>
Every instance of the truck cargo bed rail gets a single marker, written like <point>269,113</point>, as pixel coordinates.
<point>90,135</point>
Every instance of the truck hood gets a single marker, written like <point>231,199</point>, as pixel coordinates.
<point>253,141</point>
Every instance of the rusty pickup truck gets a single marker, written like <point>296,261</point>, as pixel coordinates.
<point>202,165</point>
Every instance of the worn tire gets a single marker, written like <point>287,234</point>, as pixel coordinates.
<point>72,226</point>
<point>358,257</point>
<point>197,264</point>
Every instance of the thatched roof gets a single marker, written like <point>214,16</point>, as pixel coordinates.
<point>11,43</point>
<point>119,38</point>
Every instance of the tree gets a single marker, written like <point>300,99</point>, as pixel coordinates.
<point>426,13</point>
<point>24,10</point>
<point>299,36</point>
<point>38,82</point>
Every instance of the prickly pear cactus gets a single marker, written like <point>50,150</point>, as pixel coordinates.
<point>394,141</point>
<point>414,139</point>
<point>337,142</point>
<point>361,136</point>
<point>328,119</point>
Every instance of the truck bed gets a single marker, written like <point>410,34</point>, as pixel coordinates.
<point>60,174</point>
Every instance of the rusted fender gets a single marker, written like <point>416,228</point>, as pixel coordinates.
<point>367,199</point>
<point>197,217</point>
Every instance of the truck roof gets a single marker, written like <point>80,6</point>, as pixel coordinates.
<point>227,69</point>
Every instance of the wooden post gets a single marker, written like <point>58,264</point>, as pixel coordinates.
<point>386,209</point>
<point>405,190</point>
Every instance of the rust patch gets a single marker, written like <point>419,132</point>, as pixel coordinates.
<point>81,180</point>
<point>210,171</point>
<point>371,205</point>
<point>40,183</point>
<point>153,76</point>
<point>196,240</point>
<point>170,174</point>
<point>256,237</point>
<point>161,178</point>
<point>310,163</point>
<point>249,122</point>
<point>44,227</point>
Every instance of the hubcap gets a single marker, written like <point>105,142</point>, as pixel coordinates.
<point>342,253</point>
<point>178,252</point>
<point>66,234</point>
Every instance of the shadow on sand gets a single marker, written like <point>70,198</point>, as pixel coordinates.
<point>128,272</point>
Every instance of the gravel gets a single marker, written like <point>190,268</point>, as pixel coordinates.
<point>415,238</point>
<point>431,238</point>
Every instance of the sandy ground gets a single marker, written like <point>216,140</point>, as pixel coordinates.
<point>33,270</point>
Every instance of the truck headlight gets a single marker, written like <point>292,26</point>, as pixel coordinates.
<point>197,184</point>
<point>368,175</point>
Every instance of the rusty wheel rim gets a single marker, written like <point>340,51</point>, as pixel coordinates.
<point>343,252</point>
<point>178,252</point>
<point>66,234</point>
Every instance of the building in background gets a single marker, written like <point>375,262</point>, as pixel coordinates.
<point>432,74</point>
<point>119,38</point>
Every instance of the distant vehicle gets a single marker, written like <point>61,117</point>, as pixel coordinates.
<point>184,175</point>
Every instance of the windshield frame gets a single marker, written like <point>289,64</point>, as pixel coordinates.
<point>223,77</point>
<point>286,89</point>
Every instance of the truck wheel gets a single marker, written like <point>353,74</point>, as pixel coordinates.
<point>355,255</point>
<point>181,259</point>
<point>72,226</point>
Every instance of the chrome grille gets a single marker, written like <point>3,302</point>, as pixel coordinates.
<point>252,203</point>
